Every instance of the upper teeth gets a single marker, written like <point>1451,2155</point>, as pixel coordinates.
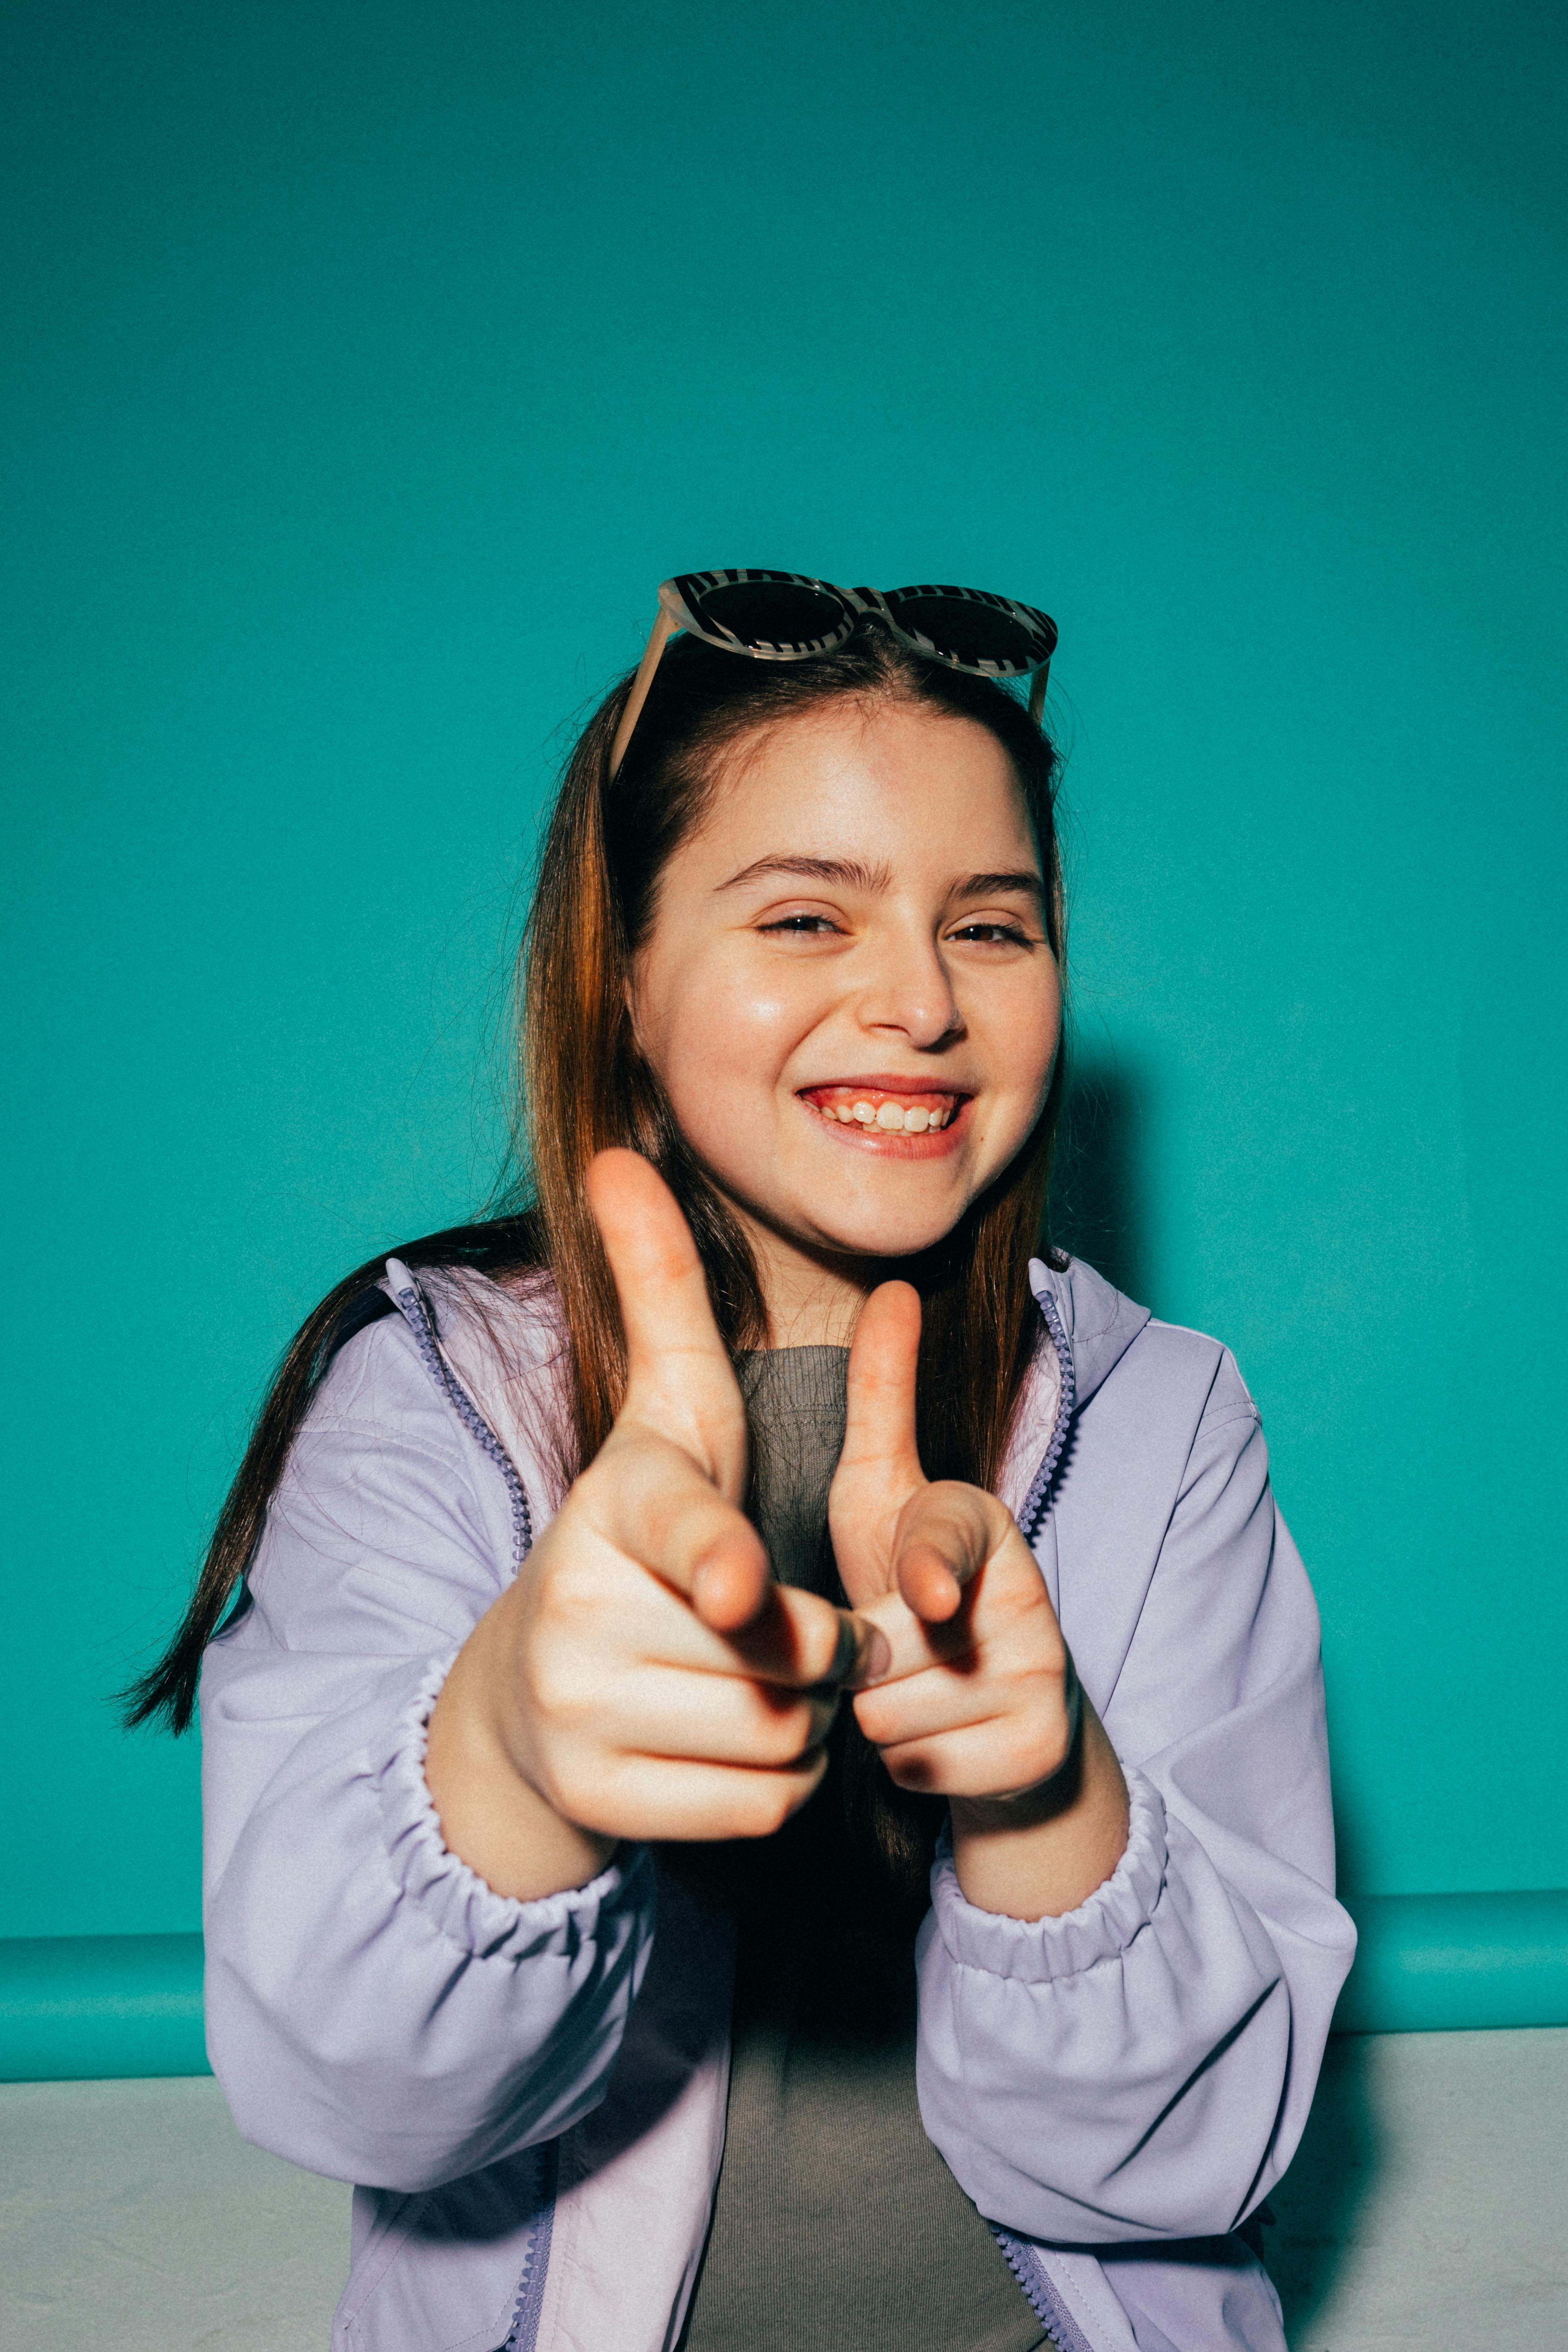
<point>892,1117</point>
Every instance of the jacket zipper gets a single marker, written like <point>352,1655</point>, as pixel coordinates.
<point>410,1298</point>
<point>1024,2260</point>
<point>1026,2267</point>
<point>523,2334</point>
<point>1038,1495</point>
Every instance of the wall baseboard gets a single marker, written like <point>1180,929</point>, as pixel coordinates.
<point>89,2008</point>
<point>1448,1963</point>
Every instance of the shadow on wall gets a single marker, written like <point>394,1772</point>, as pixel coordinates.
<point>1101,1211</point>
<point>1336,2166</point>
<point>1100,1207</point>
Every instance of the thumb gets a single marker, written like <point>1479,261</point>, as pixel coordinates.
<point>679,1380</point>
<point>879,1468</point>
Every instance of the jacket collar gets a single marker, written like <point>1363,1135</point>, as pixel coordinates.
<point>489,1349</point>
<point>1100,1323</point>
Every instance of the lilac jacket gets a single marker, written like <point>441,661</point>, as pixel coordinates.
<point>533,2095</point>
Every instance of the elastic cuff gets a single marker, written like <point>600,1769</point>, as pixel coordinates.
<point>1042,1950</point>
<point>454,1897</point>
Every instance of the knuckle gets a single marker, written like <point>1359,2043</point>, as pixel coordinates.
<point>564,1597</point>
<point>1034,1755</point>
<point>571,1627</point>
<point>876,1712</point>
<point>777,1804</point>
<point>559,1691</point>
<point>564,1775</point>
<point>572,1657</point>
<point>772,1739</point>
<point>790,1733</point>
<point>769,1799</point>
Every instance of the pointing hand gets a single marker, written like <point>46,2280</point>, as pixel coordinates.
<point>645,1677</point>
<point>979,1699</point>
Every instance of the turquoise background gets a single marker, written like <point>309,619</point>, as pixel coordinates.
<point>370,366</point>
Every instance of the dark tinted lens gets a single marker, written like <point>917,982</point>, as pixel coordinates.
<point>771,611</point>
<point>966,632</point>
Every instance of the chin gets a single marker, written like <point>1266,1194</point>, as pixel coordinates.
<point>891,1238</point>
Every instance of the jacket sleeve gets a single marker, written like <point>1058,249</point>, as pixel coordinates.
<point>374,2011</point>
<point>1143,2067</point>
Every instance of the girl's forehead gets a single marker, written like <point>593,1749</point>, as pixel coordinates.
<point>912,777</point>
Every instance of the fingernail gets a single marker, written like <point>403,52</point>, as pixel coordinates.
<point>875,1658</point>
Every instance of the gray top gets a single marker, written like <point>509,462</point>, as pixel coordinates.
<point>836,2223</point>
<point>797,1399</point>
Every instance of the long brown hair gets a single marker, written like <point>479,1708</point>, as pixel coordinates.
<point>584,1086</point>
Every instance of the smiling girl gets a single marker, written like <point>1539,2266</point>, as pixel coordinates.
<point>766,1783</point>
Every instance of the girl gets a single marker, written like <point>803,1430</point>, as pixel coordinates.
<point>765,1785</point>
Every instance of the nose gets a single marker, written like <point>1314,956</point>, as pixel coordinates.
<point>910,994</point>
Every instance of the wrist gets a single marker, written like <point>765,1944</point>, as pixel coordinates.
<point>1040,1854</point>
<point>492,1815</point>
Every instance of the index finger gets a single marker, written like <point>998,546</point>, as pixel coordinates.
<point>679,1380</point>
<point>654,1506</point>
<point>945,1535</point>
<point>647,1501</point>
<point>879,1465</point>
<point>884,1361</point>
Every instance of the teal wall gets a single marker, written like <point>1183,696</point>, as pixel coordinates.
<point>377,361</point>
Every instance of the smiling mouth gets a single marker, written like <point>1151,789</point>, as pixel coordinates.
<point>885,1110</point>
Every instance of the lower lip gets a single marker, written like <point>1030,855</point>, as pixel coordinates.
<point>935,1144</point>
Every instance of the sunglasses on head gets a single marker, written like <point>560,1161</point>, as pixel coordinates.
<point>785,616</point>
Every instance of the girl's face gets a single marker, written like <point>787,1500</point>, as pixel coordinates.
<point>846,993</point>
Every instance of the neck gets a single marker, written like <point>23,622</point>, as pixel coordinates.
<point>812,1301</point>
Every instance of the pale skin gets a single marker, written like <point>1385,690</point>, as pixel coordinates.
<point>857,918</point>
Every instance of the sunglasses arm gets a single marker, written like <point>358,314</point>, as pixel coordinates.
<point>663,629</point>
<point>1037,690</point>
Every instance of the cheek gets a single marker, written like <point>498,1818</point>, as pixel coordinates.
<point>1024,1031</point>
<point>711,1026</point>
<point>1047,1035</point>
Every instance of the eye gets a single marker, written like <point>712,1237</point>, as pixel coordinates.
<point>993,934</point>
<point>799,926</point>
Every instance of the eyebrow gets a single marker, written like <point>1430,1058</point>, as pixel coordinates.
<point>992,885</point>
<point>851,873</point>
